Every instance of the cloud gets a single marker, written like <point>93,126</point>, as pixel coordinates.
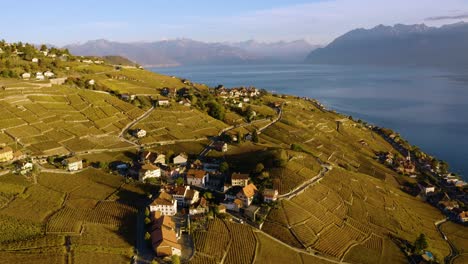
<point>437,18</point>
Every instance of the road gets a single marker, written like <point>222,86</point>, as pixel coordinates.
<point>453,250</point>
<point>128,126</point>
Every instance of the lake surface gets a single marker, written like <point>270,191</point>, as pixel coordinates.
<point>428,107</point>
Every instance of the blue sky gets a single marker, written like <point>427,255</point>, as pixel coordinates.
<point>318,21</point>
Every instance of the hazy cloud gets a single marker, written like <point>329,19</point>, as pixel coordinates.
<point>436,18</point>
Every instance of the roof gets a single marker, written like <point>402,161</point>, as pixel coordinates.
<point>249,190</point>
<point>270,192</point>
<point>149,166</point>
<point>238,202</point>
<point>190,194</point>
<point>74,160</point>
<point>183,155</point>
<point>240,176</point>
<point>160,220</point>
<point>5,150</point>
<point>163,199</point>
<point>197,174</point>
<point>179,190</point>
<point>463,214</point>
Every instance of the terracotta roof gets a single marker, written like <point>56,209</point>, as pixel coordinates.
<point>238,202</point>
<point>198,174</point>
<point>463,214</point>
<point>240,176</point>
<point>5,150</point>
<point>74,159</point>
<point>189,195</point>
<point>249,190</point>
<point>163,199</point>
<point>160,220</point>
<point>179,190</point>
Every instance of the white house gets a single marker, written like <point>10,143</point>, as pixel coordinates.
<point>92,82</point>
<point>247,194</point>
<point>35,60</point>
<point>39,76</point>
<point>165,203</point>
<point>426,188</point>
<point>149,171</point>
<point>179,194</point>
<point>26,75</point>
<point>163,102</point>
<point>239,179</point>
<point>74,164</point>
<point>180,159</point>
<point>197,177</point>
<point>49,74</point>
<point>139,133</point>
<point>270,195</point>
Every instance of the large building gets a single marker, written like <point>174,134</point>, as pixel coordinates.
<point>163,236</point>
<point>6,154</point>
<point>239,179</point>
<point>74,164</point>
<point>149,170</point>
<point>197,177</point>
<point>165,203</point>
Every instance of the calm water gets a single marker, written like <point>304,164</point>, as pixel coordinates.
<point>428,107</point>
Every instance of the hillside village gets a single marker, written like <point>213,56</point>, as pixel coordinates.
<point>235,163</point>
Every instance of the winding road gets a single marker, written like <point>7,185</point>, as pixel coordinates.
<point>453,250</point>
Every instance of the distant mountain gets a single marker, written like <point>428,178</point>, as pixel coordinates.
<point>282,51</point>
<point>118,60</point>
<point>190,52</point>
<point>412,45</point>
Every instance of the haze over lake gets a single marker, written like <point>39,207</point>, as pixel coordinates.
<point>428,107</point>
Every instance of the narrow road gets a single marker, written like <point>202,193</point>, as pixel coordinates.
<point>453,250</point>
<point>128,126</point>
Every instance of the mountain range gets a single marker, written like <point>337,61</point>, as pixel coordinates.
<point>411,45</point>
<point>191,52</point>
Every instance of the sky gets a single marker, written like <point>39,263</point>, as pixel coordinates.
<point>317,21</point>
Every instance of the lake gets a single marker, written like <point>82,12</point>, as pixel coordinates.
<point>429,107</point>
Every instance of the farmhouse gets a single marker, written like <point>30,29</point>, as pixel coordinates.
<point>463,216</point>
<point>91,82</point>
<point>149,170</point>
<point>180,159</point>
<point>165,203</point>
<point>197,177</point>
<point>163,236</point>
<point>152,157</point>
<point>6,154</point>
<point>74,164</point>
<point>26,75</point>
<point>40,76</point>
<point>49,74</point>
<point>247,194</point>
<point>139,133</point>
<point>163,102</point>
<point>426,188</point>
<point>127,97</point>
<point>240,179</point>
<point>220,146</point>
<point>270,195</point>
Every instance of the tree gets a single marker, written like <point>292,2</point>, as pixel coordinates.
<point>420,244</point>
<point>280,158</point>
<point>255,136</point>
<point>147,212</point>
<point>224,167</point>
<point>175,259</point>
<point>259,167</point>
<point>179,181</point>
<point>216,110</point>
<point>43,47</point>
<point>147,236</point>
<point>169,155</point>
<point>147,220</point>
<point>208,195</point>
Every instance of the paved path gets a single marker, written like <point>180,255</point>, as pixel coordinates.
<point>299,189</point>
<point>143,116</point>
<point>453,250</point>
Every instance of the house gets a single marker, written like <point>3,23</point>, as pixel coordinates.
<point>270,195</point>
<point>35,60</point>
<point>49,74</point>
<point>91,82</point>
<point>179,193</point>
<point>191,197</point>
<point>231,193</point>
<point>220,146</point>
<point>127,97</point>
<point>149,170</point>
<point>221,209</point>
<point>152,157</point>
<point>426,188</point>
<point>239,179</point>
<point>164,237</point>
<point>197,177</point>
<point>185,102</point>
<point>200,208</point>
<point>74,164</point>
<point>180,159</point>
<point>165,203</point>
<point>139,133</point>
<point>448,205</point>
<point>251,212</point>
<point>40,76</point>
<point>235,205</point>
<point>26,75</point>
<point>6,154</point>
<point>463,217</point>
<point>460,183</point>
<point>247,194</point>
<point>163,102</point>
<point>24,167</point>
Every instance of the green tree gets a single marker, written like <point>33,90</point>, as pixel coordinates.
<point>175,259</point>
<point>280,158</point>
<point>208,195</point>
<point>147,212</point>
<point>259,168</point>
<point>147,221</point>
<point>255,136</point>
<point>216,110</point>
<point>420,244</point>
<point>43,47</point>
<point>179,181</point>
<point>147,236</point>
<point>224,167</point>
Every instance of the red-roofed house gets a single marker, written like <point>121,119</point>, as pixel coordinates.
<point>165,203</point>
<point>247,194</point>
